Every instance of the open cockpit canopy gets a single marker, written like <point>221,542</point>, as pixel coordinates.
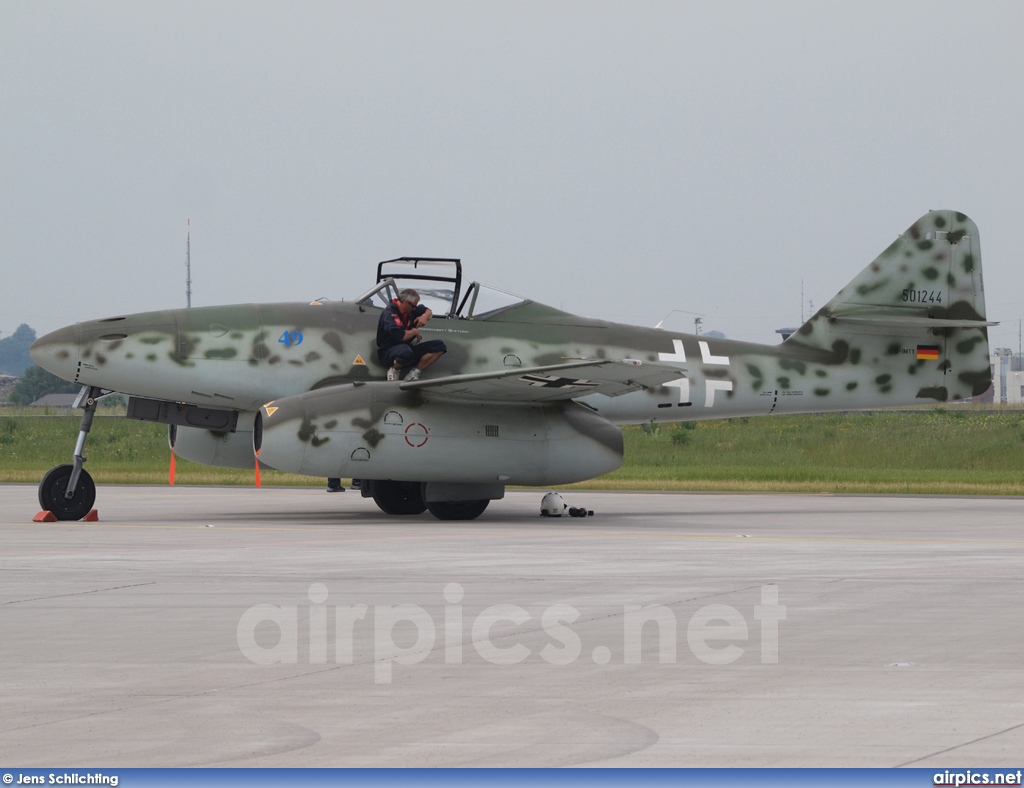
<point>438,280</point>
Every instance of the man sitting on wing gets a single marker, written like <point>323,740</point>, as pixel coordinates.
<point>397,330</point>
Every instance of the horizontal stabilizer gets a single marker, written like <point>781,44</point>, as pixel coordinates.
<point>897,321</point>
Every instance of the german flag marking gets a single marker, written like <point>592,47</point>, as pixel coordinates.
<point>927,352</point>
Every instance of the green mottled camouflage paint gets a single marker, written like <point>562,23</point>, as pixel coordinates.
<point>853,353</point>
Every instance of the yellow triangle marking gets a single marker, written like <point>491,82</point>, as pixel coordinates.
<point>359,360</point>
<point>270,410</point>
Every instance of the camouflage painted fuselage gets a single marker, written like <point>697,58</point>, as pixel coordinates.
<point>909,329</point>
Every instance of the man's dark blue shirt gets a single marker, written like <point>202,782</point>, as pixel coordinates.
<point>393,324</point>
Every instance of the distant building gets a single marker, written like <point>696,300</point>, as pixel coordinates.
<point>1007,377</point>
<point>55,401</point>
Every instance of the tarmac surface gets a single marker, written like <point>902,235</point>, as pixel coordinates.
<point>782,630</point>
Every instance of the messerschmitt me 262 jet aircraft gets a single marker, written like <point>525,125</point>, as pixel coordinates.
<point>526,395</point>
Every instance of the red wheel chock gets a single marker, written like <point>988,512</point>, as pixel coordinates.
<point>46,516</point>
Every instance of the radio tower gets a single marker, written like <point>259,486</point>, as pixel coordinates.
<point>188,266</point>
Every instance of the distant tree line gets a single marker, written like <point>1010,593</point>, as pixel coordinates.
<point>14,357</point>
<point>37,383</point>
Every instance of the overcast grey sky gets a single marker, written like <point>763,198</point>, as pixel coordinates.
<point>615,159</point>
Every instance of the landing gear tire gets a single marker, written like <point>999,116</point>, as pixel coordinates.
<point>53,487</point>
<point>401,498</point>
<point>457,510</point>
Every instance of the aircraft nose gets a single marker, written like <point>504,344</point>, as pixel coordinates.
<point>57,352</point>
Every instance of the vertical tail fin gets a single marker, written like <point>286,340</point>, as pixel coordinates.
<point>923,297</point>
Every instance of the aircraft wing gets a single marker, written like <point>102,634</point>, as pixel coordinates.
<point>553,382</point>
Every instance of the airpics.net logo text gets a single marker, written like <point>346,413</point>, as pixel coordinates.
<point>716,634</point>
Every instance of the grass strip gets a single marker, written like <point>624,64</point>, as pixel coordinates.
<point>950,451</point>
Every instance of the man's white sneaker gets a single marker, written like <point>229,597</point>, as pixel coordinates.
<point>414,374</point>
<point>392,373</point>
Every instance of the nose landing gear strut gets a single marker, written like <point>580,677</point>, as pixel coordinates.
<point>68,491</point>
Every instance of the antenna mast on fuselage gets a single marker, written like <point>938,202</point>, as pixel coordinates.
<point>188,266</point>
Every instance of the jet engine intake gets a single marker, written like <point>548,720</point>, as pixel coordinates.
<point>222,449</point>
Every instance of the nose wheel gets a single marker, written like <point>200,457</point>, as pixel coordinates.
<point>68,491</point>
<point>53,491</point>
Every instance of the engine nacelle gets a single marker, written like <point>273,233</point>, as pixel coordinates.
<point>223,449</point>
<point>378,431</point>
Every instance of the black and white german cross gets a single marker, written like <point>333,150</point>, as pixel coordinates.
<point>551,382</point>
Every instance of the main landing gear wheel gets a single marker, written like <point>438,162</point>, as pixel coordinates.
<point>399,497</point>
<point>52,491</point>
<point>457,510</point>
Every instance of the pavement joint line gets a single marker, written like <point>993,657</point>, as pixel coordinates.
<point>513,531</point>
<point>958,746</point>
<point>102,712</point>
<point>195,694</point>
<point>76,593</point>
